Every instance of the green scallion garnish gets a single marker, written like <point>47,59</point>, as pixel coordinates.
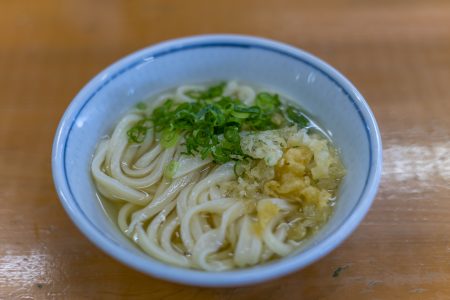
<point>296,116</point>
<point>211,124</point>
<point>141,105</point>
<point>171,169</point>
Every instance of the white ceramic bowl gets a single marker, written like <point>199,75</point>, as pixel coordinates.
<point>321,90</point>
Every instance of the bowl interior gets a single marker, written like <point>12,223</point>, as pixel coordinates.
<point>104,100</point>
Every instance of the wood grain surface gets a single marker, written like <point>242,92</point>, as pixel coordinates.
<point>396,52</point>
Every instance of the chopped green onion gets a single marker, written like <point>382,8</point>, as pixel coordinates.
<point>232,135</point>
<point>219,154</point>
<point>212,92</point>
<point>240,115</point>
<point>202,122</point>
<point>137,133</point>
<point>202,137</point>
<point>247,109</point>
<point>267,102</point>
<point>171,169</point>
<point>216,90</point>
<point>296,116</point>
<point>169,138</point>
<point>141,105</point>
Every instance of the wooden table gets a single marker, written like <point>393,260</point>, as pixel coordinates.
<point>396,52</point>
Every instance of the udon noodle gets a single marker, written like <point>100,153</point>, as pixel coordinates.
<point>208,207</point>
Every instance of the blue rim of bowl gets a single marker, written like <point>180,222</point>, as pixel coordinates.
<point>194,277</point>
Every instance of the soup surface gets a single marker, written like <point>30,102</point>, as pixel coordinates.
<point>216,177</point>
